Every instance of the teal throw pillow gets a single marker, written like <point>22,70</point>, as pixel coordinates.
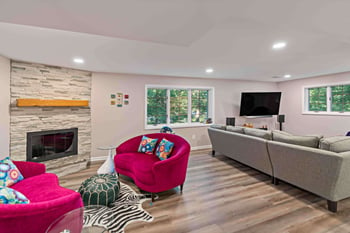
<point>147,145</point>
<point>11,196</point>
<point>164,149</point>
<point>9,173</point>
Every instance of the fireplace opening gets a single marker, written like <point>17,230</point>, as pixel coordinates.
<point>51,144</point>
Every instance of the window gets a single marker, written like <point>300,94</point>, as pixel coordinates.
<point>330,99</point>
<point>178,106</point>
<point>317,99</point>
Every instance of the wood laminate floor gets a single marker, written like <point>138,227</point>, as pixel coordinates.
<point>221,195</point>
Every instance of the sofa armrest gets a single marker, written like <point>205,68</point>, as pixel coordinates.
<point>29,169</point>
<point>173,169</point>
<point>342,187</point>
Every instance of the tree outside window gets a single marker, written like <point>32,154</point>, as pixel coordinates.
<point>177,105</point>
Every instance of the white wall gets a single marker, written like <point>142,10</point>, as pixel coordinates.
<point>298,123</point>
<point>4,106</point>
<point>112,125</point>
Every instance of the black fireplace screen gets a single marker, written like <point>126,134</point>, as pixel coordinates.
<point>52,144</point>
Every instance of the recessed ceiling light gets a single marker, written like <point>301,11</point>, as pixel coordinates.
<point>78,60</point>
<point>209,70</point>
<point>287,76</point>
<point>279,45</point>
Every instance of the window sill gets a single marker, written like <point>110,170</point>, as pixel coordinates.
<point>327,113</point>
<point>177,126</point>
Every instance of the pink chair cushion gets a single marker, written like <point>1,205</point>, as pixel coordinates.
<point>139,164</point>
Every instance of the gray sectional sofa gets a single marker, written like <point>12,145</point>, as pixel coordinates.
<point>313,163</point>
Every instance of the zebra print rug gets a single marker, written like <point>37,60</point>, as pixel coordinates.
<point>126,209</point>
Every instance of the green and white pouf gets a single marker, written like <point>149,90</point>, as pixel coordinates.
<point>101,189</point>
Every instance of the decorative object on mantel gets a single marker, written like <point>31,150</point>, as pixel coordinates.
<point>51,103</point>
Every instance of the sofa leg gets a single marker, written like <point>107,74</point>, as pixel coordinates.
<point>152,195</point>
<point>213,153</point>
<point>181,188</point>
<point>332,206</point>
<point>275,181</point>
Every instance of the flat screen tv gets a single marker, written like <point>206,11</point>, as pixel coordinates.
<point>260,103</point>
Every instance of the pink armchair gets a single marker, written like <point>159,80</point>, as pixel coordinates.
<point>48,201</point>
<point>149,172</point>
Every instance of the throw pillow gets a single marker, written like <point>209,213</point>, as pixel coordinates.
<point>11,196</point>
<point>309,141</point>
<point>335,144</point>
<point>235,129</point>
<point>9,173</point>
<point>147,145</point>
<point>164,149</point>
<point>217,126</point>
<point>265,134</point>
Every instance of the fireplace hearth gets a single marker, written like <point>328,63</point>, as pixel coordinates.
<point>51,144</point>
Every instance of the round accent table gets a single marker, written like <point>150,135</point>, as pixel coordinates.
<point>73,222</point>
<point>100,189</point>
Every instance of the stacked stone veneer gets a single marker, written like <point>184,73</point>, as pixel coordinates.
<point>38,81</point>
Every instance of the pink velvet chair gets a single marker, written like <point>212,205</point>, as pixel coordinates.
<point>48,201</point>
<point>149,172</point>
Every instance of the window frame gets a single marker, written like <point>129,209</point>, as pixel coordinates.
<point>328,112</point>
<point>211,106</point>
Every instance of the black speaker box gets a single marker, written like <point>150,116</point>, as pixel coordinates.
<point>230,121</point>
<point>280,118</point>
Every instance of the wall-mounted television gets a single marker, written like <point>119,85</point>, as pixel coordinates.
<point>260,103</point>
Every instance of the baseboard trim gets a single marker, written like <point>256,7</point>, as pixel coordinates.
<point>193,148</point>
<point>200,147</point>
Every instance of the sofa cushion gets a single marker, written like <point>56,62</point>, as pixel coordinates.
<point>139,164</point>
<point>235,129</point>
<point>9,173</point>
<point>309,141</point>
<point>11,196</point>
<point>217,126</point>
<point>147,145</point>
<point>49,188</point>
<point>164,149</point>
<point>336,144</point>
<point>266,134</point>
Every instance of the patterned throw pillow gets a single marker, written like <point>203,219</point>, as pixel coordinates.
<point>164,149</point>
<point>11,196</point>
<point>147,145</point>
<point>9,173</point>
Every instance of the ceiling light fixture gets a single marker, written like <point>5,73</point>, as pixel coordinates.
<point>287,76</point>
<point>209,70</point>
<point>78,60</point>
<point>279,45</point>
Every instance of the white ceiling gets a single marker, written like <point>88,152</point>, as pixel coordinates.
<point>181,37</point>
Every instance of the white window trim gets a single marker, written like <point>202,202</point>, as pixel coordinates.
<point>211,109</point>
<point>305,100</point>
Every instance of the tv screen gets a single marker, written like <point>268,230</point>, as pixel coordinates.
<point>260,103</point>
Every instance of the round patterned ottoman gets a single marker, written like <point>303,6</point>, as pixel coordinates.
<point>101,189</point>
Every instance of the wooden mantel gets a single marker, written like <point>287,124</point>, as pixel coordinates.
<point>51,103</point>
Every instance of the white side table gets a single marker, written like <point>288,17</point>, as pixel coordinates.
<point>108,165</point>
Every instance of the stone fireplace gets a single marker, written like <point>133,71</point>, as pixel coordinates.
<point>36,81</point>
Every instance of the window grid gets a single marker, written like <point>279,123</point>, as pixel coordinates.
<point>176,105</point>
<point>328,99</point>
<point>340,98</point>
<point>317,99</point>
